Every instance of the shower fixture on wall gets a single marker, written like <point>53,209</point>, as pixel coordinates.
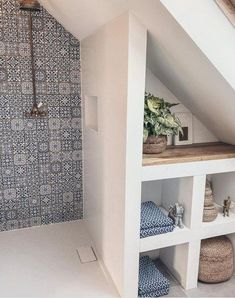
<point>30,6</point>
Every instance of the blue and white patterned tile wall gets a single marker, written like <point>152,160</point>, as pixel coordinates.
<point>40,160</point>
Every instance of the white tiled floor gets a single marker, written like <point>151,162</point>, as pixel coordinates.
<point>42,262</point>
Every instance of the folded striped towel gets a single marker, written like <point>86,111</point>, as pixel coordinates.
<point>152,283</point>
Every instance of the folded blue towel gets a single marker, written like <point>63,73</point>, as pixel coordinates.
<point>155,231</point>
<point>152,216</point>
<point>152,283</point>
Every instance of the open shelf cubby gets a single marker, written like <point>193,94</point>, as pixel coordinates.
<point>222,187</point>
<point>231,237</point>
<point>165,193</point>
<point>175,261</point>
<point>175,258</point>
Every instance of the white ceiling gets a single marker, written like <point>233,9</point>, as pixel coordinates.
<point>206,24</point>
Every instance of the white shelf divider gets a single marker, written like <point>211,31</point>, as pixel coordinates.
<point>221,226</point>
<point>189,281</point>
<point>178,236</point>
<point>197,202</point>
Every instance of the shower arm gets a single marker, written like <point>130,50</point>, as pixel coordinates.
<point>32,59</point>
<point>32,5</point>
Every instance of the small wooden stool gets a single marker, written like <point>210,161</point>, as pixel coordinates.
<point>216,260</point>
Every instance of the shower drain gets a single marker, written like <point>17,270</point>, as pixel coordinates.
<point>86,254</point>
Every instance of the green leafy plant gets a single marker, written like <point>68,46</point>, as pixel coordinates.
<point>158,119</point>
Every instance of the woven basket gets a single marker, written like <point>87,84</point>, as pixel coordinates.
<point>216,260</point>
<point>155,145</point>
<point>209,213</point>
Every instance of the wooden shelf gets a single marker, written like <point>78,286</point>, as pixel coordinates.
<point>183,154</point>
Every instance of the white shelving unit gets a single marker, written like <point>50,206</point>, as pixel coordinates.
<point>185,183</point>
<point>117,177</point>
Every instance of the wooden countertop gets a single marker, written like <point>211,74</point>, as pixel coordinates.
<point>190,153</point>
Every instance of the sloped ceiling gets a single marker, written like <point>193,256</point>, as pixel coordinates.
<point>189,74</point>
<point>210,30</point>
<point>82,17</point>
<point>173,56</point>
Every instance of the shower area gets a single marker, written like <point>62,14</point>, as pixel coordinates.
<point>40,119</point>
<point>41,166</point>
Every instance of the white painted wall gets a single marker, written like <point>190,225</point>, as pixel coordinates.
<point>211,31</point>
<point>134,145</point>
<point>178,191</point>
<point>113,60</point>
<point>152,191</point>
<point>176,260</point>
<point>104,75</point>
<point>200,133</point>
<point>223,186</point>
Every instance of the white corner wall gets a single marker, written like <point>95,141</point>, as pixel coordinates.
<point>200,133</point>
<point>113,61</point>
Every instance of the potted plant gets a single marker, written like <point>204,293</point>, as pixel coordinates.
<point>159,123</point>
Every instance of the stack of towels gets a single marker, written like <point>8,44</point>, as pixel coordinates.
<point>154,221</point>
<point>152,283</point>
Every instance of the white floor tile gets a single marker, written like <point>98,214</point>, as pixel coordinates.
<point>42,262</point>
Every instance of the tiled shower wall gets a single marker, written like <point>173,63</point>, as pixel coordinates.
<point>40,159</point>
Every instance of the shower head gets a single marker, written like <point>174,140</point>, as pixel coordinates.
<point>30,5</point>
